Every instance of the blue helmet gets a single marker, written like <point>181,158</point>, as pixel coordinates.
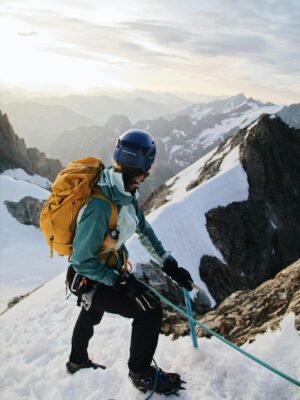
<point>135,148</point>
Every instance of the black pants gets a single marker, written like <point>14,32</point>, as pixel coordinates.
<point>145,327</point>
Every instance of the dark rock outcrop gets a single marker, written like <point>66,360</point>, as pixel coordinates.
<point>244,314</point>
<point>16,299</point>
<point>156,199</point>
<point>258,237</point>
<point>14,154</point>
<point>26,211</point>
<point>222,278</point>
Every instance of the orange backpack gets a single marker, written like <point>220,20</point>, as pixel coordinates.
<point>72,189</point>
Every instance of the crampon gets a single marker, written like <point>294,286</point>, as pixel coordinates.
<point>156,379</point>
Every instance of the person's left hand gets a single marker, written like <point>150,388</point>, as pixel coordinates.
<point>178,274</point>
<point>135,289</point>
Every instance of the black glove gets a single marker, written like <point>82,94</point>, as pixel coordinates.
<point>136,290</point>
<point>178,274</point>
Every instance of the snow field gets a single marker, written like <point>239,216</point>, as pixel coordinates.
<point>35,344</point>
<point>181,223</point>
<point>25,261</point>
<point>35,335</point>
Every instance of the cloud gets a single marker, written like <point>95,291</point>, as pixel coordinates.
<point>234,29</point>
<point>82,39</point>
<point>166,33</point>
<point>232,41</point>
<point>231,45</point>
<point>27,34</point>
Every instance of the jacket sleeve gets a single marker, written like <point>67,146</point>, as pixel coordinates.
<point>149,239</point>
<point>90,232</point>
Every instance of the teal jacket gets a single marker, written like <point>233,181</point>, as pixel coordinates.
<point>92,226</point>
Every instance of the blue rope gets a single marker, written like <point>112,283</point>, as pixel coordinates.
<point>155,382</point>
<point>188,305</point>
<point>211,332</point>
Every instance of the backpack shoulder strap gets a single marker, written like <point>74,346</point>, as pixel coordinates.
<point>97,192</point>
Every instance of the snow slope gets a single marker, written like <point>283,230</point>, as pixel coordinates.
<point>181,223</point>
<point>35,344</point>
<point>24,256</point>
<point>20,175</point>
<point>211,135</point>
<point>36,333</point>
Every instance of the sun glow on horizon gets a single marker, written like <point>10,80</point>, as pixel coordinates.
<point>28,63</point>
<point>150,46</point>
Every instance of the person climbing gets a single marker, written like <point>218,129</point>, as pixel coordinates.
<point>112,288</point>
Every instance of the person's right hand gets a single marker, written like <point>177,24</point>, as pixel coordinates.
<point>178,274</point>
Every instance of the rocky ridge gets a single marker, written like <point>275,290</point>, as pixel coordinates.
<point>40,124</point>
<point>244,314</point>
<point>15,154</point>
<point>257,237</point>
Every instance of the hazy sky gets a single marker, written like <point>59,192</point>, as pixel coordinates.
<point>209,47</point>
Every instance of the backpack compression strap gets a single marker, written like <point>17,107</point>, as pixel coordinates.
<point>107,252</point>
<point>97,192</point>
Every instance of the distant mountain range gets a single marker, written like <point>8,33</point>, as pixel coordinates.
<point>40,124</point>
<point>68,128</point>
<point>101,108</point>
<point>291,115</point>
<point>41,121</point>
<point>181,138</point>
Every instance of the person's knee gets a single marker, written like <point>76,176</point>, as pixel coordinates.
<point>157,313</point>
<point>93,316</point>
<point>160,310</point>
<point>151,317</point>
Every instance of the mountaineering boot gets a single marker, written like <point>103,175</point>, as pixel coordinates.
<point>72,367</point>
<point>167,383</point>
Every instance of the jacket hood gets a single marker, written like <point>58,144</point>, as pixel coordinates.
<point>112,185</point>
